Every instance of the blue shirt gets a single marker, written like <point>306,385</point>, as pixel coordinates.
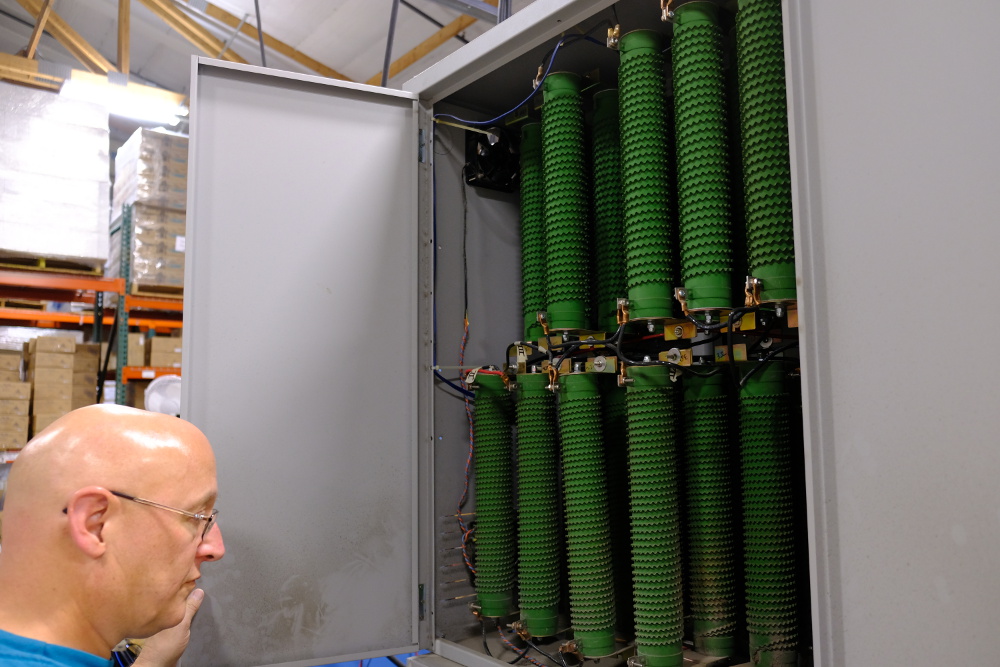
<point>17,651</point>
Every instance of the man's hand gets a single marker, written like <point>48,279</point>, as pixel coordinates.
<point>164,648</point>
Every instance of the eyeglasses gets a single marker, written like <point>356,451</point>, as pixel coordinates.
<point>209,519</point>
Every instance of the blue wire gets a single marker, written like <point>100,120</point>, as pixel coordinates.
<point>465,392</point>
<point>522,103</point>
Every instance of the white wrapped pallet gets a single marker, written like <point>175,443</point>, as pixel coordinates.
<point>54,184</point>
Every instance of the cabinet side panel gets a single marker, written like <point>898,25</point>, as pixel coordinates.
<point>896,154</point>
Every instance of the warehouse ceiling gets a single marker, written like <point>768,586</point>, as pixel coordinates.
<point>337,38</point>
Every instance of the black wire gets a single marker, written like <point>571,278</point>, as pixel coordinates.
<point>518,656</point>
<point>766,358</point>
<point>614,10</point>
<point>465,392</point>
<point>393,659</point>
<point>486,647</point>
<point>544,654</point>
<point>465,234</point>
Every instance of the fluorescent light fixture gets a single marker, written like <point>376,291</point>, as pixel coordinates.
<point>126,101</point>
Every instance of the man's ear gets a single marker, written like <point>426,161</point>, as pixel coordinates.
<point>88,510</point>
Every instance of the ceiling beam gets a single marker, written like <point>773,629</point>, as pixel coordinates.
<point>36,34</point>
<point>250,31</point>
<point>90,57</point>
<point>25,70</point>
<point>124,26</point>
<point>477,8</point>
<point>425,47</point>
<point>192,31</point>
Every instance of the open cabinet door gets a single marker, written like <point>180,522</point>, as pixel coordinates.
<point>300,363</point>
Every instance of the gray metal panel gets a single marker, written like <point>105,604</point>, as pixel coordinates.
<point>540,21</point>
<point>895,161</point>
<point>300,349</point>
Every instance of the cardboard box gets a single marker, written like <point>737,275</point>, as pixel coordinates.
<point>84,396</point>
<point>112,360</point>
<point>51,360</point>
<point>40,420</point>
<point>49,406</point>
<point>14,423</point>
<point>13,406</point>
<point>85,379</point>
<point>51,392</point>
<point>51,375</point>
<point>52,344</point>
<point>161,344</point>
<point>10,360</point>
<point>136,349</point>
<point>10,441</point>
<point>87,357</point>
<point>17,390</point>
<point>10,376</point>
<point>165,359</point>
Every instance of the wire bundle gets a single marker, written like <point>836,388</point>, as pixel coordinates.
<point>538,505</point>
<point>767,180</point>
<point>702,166</point>
<point>566,202</point>
<point>588,539</point>
<point>609,254</point>
<point>656,545</point>
<point>496,552</point>
<point>532,229</point>
<point>768,519</point>
<point>645,175</point>
<point>710,498</point>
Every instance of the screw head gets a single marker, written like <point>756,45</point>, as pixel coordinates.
<point>678,331</point>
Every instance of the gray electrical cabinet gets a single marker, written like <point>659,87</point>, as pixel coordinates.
<point>330,246</point>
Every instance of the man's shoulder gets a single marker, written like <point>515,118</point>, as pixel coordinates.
<point>17,651</point>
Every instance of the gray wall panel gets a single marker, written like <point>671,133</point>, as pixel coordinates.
<point>300,363</point>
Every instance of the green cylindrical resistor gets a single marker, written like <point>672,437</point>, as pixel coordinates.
<point>496,529</point>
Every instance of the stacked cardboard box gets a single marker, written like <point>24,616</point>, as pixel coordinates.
<point>86,364</point>
<point>151,173</point>
<point>50,371</point>
<point>164,351</point>
<point>53,207</point>
<point>15,399</point>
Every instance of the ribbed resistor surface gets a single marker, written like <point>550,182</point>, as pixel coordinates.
<point>566,203</point>
<point>702,156</point>
<point>609,242</point>
<point>539,534</point>
<point>711,546</point>
<point>615,417</point>
<point>764,130</point>
<point>768,519</point>
<point>532,229</point>
<point>496,530</point>
<point>655,498</point>
<point>645,145</point>
<point>585,502</point>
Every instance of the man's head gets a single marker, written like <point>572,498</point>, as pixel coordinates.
<point>121,565</point>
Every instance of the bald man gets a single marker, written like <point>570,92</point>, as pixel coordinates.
<point>107,521</point>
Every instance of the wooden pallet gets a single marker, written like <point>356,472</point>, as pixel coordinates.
<point>158,291</point>
<point>81,267</point>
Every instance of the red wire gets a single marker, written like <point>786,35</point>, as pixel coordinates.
<point>466,531</point>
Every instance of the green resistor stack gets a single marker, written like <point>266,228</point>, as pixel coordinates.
<point>588,541</point>
<point>645,146</point>
<point>496,528</point>
<point>655,498</point>
<point>764,135</point>
<point>768,519</point>
<point>566,203</point>
<point>609,256</point>
<point>615,429</point>
<point>702,157</point>
<point>532,229</point>
<point>711,542</point>
<point>538,504</point>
